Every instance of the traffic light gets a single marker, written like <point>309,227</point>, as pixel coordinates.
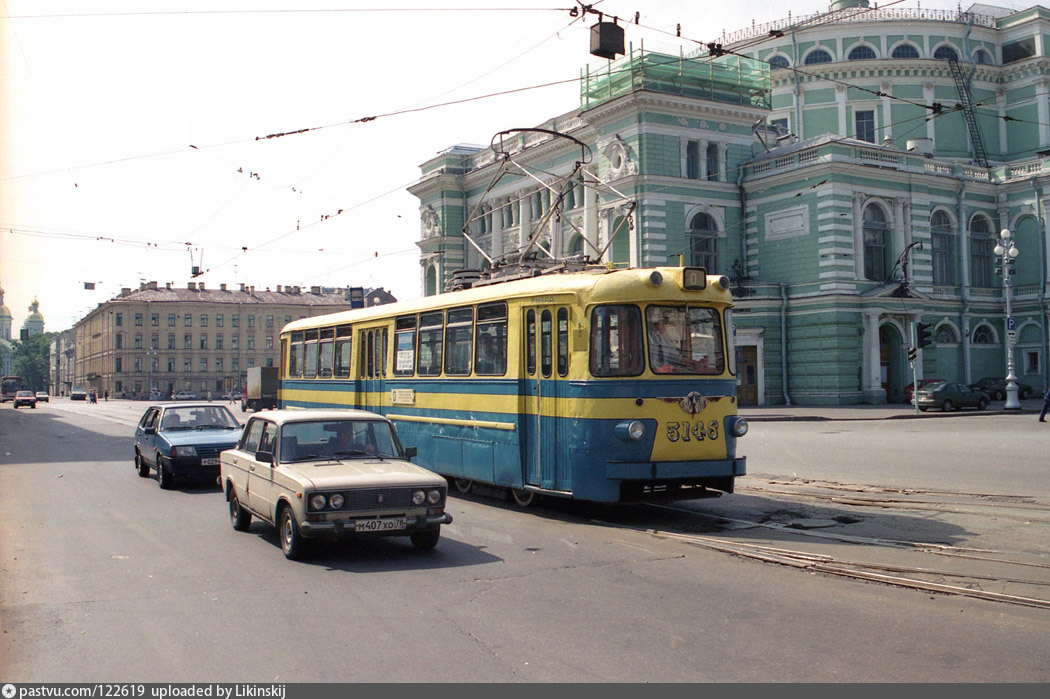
<point>922,330</point>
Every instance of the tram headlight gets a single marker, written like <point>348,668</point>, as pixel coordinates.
<point>655,278</point>
<point>723,283</point>
<point>630,431</point>
<point>739,427</point>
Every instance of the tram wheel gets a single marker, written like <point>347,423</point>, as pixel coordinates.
<point>524,498</point>
<point>463,485</point>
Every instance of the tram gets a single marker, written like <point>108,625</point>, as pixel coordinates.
<point>602,385</point>
<point>9,386</point>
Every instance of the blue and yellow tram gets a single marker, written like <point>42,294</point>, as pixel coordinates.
<point>607,386</point>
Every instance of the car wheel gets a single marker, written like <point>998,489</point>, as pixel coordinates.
<point>462,484</point>
<point>140,464</point>
<point>291,539</point>
<point>426,539</point>
<point>1000,395</point>
<point>523,498</point>
<point>164,478</point>
<point>240,518</point>
<point>923,409</point>
<point>947,406</point>
<point>982,404</point>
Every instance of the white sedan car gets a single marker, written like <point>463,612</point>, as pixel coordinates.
<point>330,474</point>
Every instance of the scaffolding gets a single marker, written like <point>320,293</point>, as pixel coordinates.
<point>729,79</point>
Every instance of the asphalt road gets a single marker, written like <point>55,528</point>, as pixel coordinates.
<point>108,578</point>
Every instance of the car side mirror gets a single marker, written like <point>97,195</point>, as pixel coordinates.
<point>150,430</point>
<point>410,452</point>
<point>264,456</point>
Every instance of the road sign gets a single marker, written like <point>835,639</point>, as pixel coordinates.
<point>1011,337</point>
<point>1011,324</point>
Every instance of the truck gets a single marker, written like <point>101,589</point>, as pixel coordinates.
<point>260,388</point>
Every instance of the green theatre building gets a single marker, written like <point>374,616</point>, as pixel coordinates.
<point>850,171</point>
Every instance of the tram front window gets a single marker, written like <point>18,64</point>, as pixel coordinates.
<point>684,340</point>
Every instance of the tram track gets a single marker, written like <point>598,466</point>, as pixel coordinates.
<point>1007,575</point>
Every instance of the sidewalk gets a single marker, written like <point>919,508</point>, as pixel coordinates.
<point>889,411</point>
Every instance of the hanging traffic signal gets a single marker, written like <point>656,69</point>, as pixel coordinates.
<point>922,330</point>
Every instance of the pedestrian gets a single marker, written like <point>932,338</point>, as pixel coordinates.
<point>106,394</point>
<point>1046,406</point>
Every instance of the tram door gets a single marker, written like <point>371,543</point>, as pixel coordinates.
<point>546,361</point>
<point>372,344</point>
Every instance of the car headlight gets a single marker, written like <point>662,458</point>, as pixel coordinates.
<point>434,496</point>
<point>418,497</point>
<point>183,451</point>
<point>336,501</point>
<point>317,501</point>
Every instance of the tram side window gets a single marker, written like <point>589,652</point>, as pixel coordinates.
<point>428,363</point>
<point>295,356</point>
<point>545,343</point>
<point>404,345</point>
<point>563,341</point>
<point>325,356</point>
<point>490,340</point>
<point>530,343</point>
<point>310,354</point>
<point>380,351</point>
<point>343,345</point>
<point>459,337</point>
<point>284,357</point>
<point>616,341</point>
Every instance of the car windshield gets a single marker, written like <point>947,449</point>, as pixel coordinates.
<point>338,439</point>
<point>198,417</point>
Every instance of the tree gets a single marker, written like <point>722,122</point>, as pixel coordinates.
<point>30,360</point>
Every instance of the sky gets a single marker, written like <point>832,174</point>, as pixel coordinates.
<point>134,133</point>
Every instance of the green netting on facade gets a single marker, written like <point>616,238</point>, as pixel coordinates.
<point>728,79</point>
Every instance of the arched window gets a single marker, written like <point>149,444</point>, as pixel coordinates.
<point>982,57</point>
<point>861,53</point>
<point>946,53</point>
<point>943,243</point>
<point>778,61</point>
<point>431,282</point>
<point>712,162</point>
<point>576,246</point>
<point>946,335</point>
<point>905,51</point>
<point>817,56</point>
<point>981,255</point>
<point>703,242</point>
<point>982,335</point>
<point>876,249</point>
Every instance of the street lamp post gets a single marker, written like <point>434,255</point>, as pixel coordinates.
<point>1007,251</point>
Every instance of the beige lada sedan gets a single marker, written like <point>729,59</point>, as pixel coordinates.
<point>330,474</point>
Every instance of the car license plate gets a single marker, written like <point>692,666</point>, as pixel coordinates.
<point>210,461</point>
<point>379,525</point>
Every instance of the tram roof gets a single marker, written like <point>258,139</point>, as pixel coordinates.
<point>601,282</point>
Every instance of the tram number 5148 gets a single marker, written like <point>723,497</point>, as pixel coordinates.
<point>691,431</point>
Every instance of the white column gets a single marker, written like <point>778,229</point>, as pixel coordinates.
<point>590,220</point>
<point>871,376</point>
<point>887,116</point>
<point>840,102</point>
<point>1042,90</point>
<point>858,238</point>
<point>928,98</point>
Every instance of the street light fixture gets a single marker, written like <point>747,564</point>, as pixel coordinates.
<point>1008,252</point>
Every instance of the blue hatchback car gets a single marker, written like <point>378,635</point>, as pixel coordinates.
<point>183,441</point>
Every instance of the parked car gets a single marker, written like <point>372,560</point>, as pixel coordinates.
<point>78,393</point>
<point>25,398</point>
<point>331,474</point>
<point>184,395</point>
<point>43,397</point>
<point>922,382</point>
<point>996,388</point>
<point>183,440</point>
<point>951,396</point>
